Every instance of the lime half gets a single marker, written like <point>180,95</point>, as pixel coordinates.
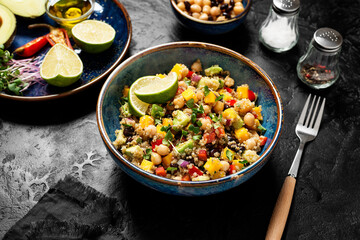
<point>157,90</point>
<point>93,36</point>
<point>137,107</point>
<point>61,66</point>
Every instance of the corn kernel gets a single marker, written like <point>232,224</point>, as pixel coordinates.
<point>167,160</point>
<point>210,98</point>
<point>243,91</point>
<point>146,165</point>
<point>212,165</point>
<point>189,94</point>
<point>146,121</point>
<point>242,134</point>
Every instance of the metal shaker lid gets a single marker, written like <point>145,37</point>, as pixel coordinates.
<point>286,7</point>
<point>327,39</point>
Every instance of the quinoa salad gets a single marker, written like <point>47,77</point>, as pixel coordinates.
<point>209,129</point>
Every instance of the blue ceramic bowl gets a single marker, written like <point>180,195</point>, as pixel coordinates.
<point>211,27</point>
<point>161,59</point>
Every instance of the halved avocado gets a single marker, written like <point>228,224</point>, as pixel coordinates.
<point>25,8</point>
<point>7,26</point>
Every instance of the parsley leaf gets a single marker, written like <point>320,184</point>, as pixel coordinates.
<point>190,103</point>
<point>188,82</point>
<point>229,155</point>
<point>196,130</point>
<point>165,128</point>
<point>198,122</point>
<point>171,169</point>
<point>206,90</point>
<point>219,98</point>
<point>147,155</point>
<point>169,136</point>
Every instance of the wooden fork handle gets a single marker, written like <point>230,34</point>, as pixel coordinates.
<point>281,210</point>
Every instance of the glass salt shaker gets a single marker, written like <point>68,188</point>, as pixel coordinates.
<point>279,32</point>
<point>318,67</point>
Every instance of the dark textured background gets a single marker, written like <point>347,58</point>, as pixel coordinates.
<point>41,143</point>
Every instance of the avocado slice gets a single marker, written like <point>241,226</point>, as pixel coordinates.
<point>25,8</point>
<point>183,146</point>
<point>238,123</point>
<point>213,70</point>
<point>180,120</point>
<point>120,139</point>
<point>134,152</point>
<point>7,26</point>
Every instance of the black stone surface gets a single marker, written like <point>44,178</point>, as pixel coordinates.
<point>41,143</point>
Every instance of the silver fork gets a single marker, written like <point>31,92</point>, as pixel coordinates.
<point>306,130</point>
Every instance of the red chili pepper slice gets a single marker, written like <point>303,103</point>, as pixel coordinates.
<point>228,89</point>
<point>232,169</point>
<point>189,74</point>
<point>251,95</point>
<point>194,170</point>
<point>31,47</point>
<point>202,155</point>
<point>56,35</point>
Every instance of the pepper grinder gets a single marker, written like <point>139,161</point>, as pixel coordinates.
<point>279,32</point>
<point>318,67</point>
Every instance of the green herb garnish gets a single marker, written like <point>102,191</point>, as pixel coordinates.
<point>206,90</point>
<point>229,155</point>
<point>147,155</point>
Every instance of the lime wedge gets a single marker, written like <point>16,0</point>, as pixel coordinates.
<point>93,36</point>
<point>61,66</point>
<point>136,106</point>
<point>156,89</point>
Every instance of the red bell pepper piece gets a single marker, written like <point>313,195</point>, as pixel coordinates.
<point>228,89</point>
<point>209,137</point>
<point>179,90</point>
<point>156,143</point>
<point>232,169</point>
<point>231,102</point>
<point>251,95</point>
<point>56,35</point>
<point>202,155</point>
<point>194,170</point>
<point>189,74</point>
<point>263,140</point>
<point>186,178</point>
<point>220,132</point>
<point>160,171</point>
<point>31,47</point>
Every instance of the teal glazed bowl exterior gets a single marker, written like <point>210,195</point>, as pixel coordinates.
<point>211,27</point>
<point>161,59</point>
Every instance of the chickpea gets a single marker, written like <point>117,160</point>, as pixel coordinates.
<point>206,124</point>
<point>195,8</point>
<point>238,9</point>
<point>206,3</point>
<point>150,130</point>
<point>227,1</point>
<point>182,84</point>
<point>221,18</point>
<point>196,66</point>
<point>200,95</point>
<point>236,1</point>
<point>162,150</point>
<point>229,82</point>
<point>199,2</point>
<point>206,9</point>
<point>249,120</point>
<point>184,71</point>
<point>207,109</point>
<point>219,107</point>
<point>243,106</point>
<point>191,1</point>
<point>181,6</point>
<point>224,166</point>
<point>196,15</point>
<point>179,101</point>
<point>215,11</point>
<point>187,111</point>
<point>156,158</point>
<point>204,16</point>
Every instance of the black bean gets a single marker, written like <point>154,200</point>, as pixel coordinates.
<point>226,106</point>
<point>209,145</point>
<point>213,3</point>
<point>224,6</point>
<point>225,14</point>
<point>230,138</point>
<point>220,1</point>
<point>210,18</point>
<point>230,8</point>
<point>242,148</point>
<point>174,165</point>
<point>213,151</point>
<point>187,5</point>
<point>129,139</point>
<point>128,131</point>
<point>168,115</point>
<point>232,2</point>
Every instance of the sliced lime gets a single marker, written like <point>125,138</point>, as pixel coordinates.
<point>93,36</point>
<point>61,66</point>
<point>137,107</point>
<point>156,89</point>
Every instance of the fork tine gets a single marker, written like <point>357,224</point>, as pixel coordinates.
<point>310,112</point>
<point>303,113</point>
<point>319,117</point>
<point>314,113</point>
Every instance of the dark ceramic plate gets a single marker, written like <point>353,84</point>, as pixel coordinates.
<point>96,66</point>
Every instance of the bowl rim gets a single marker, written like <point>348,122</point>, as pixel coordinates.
<point>58,19</point>
<point>246,10</point>
<point>203,45</point>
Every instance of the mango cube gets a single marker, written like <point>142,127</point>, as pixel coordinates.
<point>167,121</point>
<point>189,94</point>
<point>167,160</point>
<point>146,121</point>
<point>177,69</point>
<point>146,165</point>
<point>242,134</point>
<point>257,111</point>
<point>210,98</point>
<point>212,165</point>
<point>238,165</point>
<point>243,91</point>
<point>158,130</point>
<point>230,114</point>
<point>227,95</point>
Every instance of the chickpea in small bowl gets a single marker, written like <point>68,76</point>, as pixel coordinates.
<point>211,16</point>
